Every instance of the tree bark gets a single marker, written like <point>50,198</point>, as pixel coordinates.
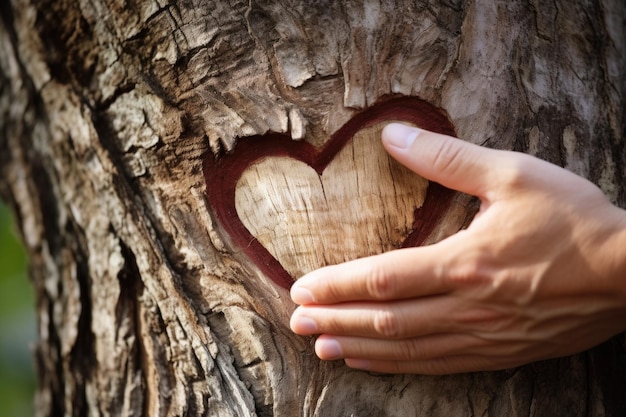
<point>111,112</point>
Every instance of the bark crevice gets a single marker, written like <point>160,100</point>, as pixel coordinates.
<point>145,305</point>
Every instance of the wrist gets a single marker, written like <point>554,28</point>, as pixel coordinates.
<point>622,258</point>
<point>616,246</point>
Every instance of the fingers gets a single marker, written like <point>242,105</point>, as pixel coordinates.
<point>404,273</point>
<point>438,366</point>
<point>446,353</point>
<point>449,161</point>
<point>329,347</point>
<point>397,320</point>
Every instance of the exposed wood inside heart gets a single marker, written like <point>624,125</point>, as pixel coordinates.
<point>363,203</point>
<point>292,208</point>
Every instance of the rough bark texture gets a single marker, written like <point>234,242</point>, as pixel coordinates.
<point>108,109</point>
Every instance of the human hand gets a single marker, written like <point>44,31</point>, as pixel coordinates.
<point>539,273</point>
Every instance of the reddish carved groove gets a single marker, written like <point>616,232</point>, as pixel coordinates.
<point>221,175</point>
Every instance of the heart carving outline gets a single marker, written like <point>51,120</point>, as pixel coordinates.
<point>222,175</point>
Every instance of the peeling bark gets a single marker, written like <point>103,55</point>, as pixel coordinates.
<point>108,110</point>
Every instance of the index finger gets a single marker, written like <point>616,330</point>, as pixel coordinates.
<point>402,273</point>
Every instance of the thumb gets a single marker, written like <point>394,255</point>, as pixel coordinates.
<point>449,161</point>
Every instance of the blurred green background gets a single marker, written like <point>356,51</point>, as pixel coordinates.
<point>17,324</point>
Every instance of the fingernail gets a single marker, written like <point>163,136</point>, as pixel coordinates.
<point>359,364</point>
<point>304,325</point>
<point>399,135</point>
<point>301,295</point>
<point>328,349</point>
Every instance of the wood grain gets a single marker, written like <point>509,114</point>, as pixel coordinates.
<point>362,204</point>
<point>431,221</point>
<point>112,113</point>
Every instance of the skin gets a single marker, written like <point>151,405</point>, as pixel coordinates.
<point>539,273</point>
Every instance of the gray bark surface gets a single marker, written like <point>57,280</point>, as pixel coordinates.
<point>109,108</point>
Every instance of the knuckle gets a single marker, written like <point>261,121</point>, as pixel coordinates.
<point>442,366</point>
<point>387,324</point>
<point>469,273</point>
<point>516,171</point>
<point>484,320</point>
<point>447,156</point>
<point>380,283</point>
<point>410,349</point>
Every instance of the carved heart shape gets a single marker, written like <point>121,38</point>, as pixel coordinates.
<point>292,208</point>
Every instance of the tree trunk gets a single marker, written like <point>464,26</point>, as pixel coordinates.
<point>129,145</point>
